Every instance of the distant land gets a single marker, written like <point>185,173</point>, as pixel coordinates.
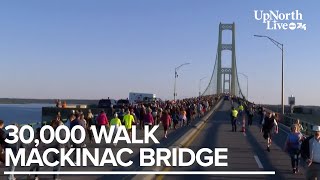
<point>45,101</point>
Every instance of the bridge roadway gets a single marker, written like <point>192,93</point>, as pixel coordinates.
<point>245,150</point>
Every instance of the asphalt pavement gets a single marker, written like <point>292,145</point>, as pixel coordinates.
<point>246,152</point>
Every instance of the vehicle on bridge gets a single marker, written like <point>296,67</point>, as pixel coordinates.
<point>122,103</point>
<point>227,96</point>
<point>140,97</point>
<point>106,103</point>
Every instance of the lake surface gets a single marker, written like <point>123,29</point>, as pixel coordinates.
<point>21,113</point>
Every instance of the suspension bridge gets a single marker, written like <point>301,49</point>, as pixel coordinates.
<point>246,149</point>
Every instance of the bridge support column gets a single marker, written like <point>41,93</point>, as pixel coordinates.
<point>233,77</point>
<point>234,68</point>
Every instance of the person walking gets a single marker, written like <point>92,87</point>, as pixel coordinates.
<point>72,117</point>
<point>84,124</point>
<point>36,166</point>
<point>166,121</point>
<point>299,126</point>
<point>57,145</point>
<point>83,121</point>
<point>159,115</point>
<point>102,120</point>
<point>3,136</point>
<point>261,114</point>
<point>57,118</point>
<point>250,116</point>
<point>132,112</point>
<point>90,122</point>
<point>234,116</point>
<point>310,152</point>
<point>175,118</point>
<point>121,114</point>
<point>15,149</point>
<point>183,117</point>
<point>292,146</point>
<point>155,115</point>
<point>188,110</point>
<point>269,127</point>
<point>128,120</point>
<point>142,114</point>
<point>78,134</point>
<point>240,110</point>
<point>148,118</point>
<point>115,122</point>
<point>199,108</point>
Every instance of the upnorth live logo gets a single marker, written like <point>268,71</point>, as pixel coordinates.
<point>276,20</point>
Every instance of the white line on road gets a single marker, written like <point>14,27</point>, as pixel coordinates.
<point>283,130</point>
<point>258,162</point>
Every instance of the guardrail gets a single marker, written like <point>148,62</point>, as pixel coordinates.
<point>288,121</point>
<point>307,127</point>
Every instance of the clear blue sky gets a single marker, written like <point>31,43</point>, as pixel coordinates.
<point>96,49</point>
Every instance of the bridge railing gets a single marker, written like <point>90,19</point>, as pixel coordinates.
<point>307,126</point>
<point>288,121</point>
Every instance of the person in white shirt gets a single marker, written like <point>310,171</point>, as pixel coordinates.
<point>310,152</point>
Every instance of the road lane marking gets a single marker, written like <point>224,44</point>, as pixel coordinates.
<point>258,162</point>
<point>187,144</point>
<point>283,130</point>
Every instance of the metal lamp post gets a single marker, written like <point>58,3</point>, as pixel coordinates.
<point>280,46</point>
<point>175,79</point>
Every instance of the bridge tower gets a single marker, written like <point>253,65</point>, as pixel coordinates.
<point>229,74</point>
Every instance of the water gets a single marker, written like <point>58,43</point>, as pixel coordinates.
<point>21,113</point>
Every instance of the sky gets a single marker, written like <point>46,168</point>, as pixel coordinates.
<point>97,49</point>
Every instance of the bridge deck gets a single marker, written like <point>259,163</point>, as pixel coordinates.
<point>244,152</point>
<point>243,147</point>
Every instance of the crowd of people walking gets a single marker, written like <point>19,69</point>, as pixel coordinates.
<point>169,115</point>
<point>174,115</point>
<point>297,145</point>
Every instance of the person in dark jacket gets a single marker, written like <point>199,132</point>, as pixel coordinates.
<point>15,149</point>
<point>36,166</point>
<point>269,127</point>
<point>261,114</point>
<point>250,116</point>
<point>175,118</point>
<point>3,136</point>
<point>310,152</point>
<point>56,145</point>
<point>78,134</point>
